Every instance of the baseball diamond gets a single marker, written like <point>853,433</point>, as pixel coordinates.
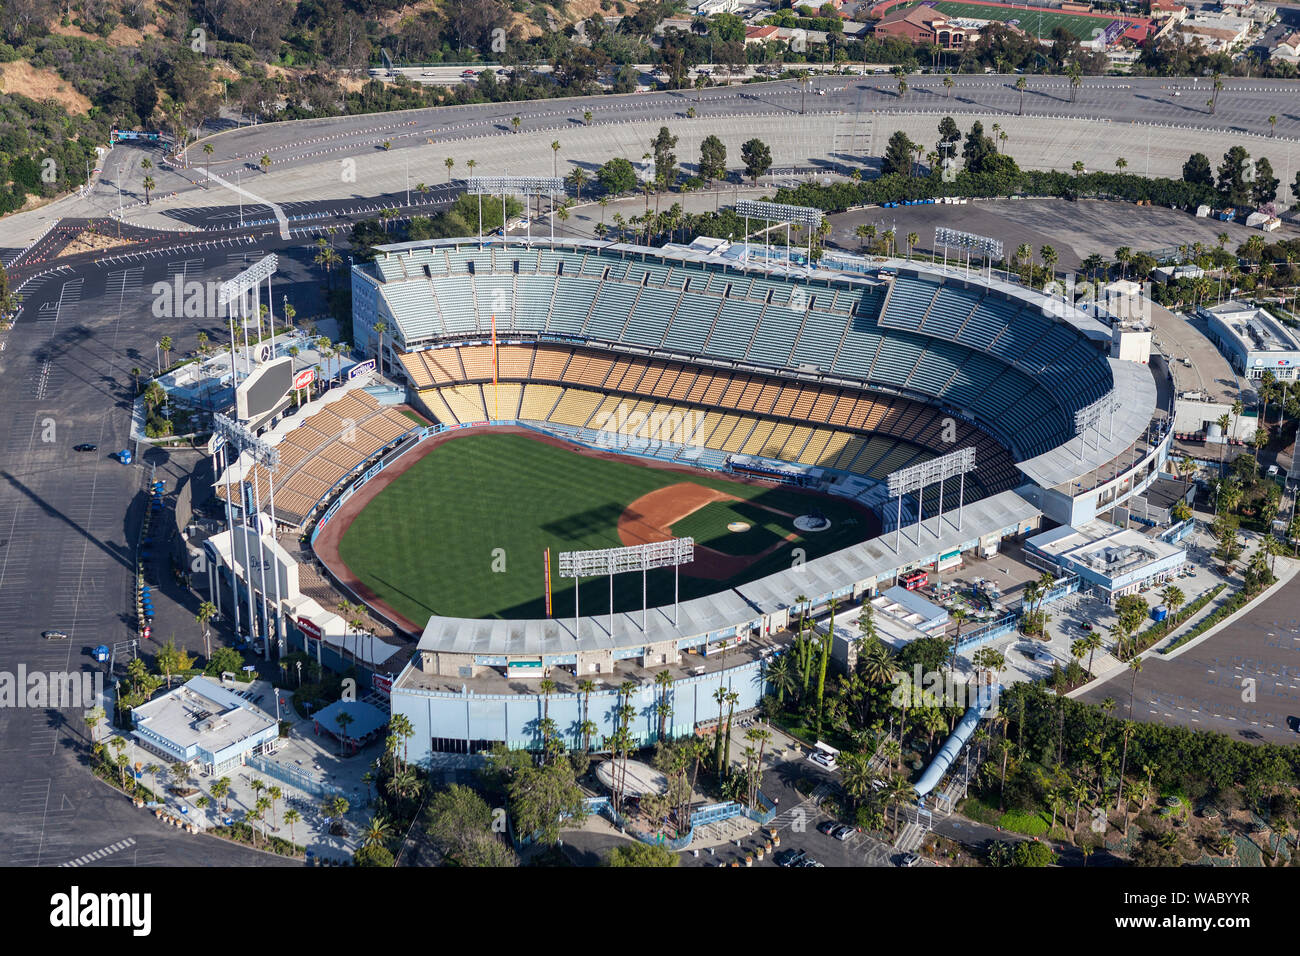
<point>462,529</point>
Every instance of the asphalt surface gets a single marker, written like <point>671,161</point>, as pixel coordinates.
<point>1244,681</point>
<point>68,525</point>
<point>1243,106</point>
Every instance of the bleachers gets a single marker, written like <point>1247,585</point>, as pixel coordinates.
<point>328,443</point>
<point>772,321</point>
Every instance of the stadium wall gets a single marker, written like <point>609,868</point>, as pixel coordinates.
<point>467,721</point>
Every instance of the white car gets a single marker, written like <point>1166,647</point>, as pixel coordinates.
<point>822,759</point>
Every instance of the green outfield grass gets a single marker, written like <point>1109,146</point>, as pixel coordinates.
<point>1033,21</point>
<point>427,543</point>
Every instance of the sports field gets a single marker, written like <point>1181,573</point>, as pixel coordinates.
<point>462,531</point>
<point>1035,21</point>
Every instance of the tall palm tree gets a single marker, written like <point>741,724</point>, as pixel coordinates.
<point>1020,87</point>
<point>664,682</point>
<point>291,816</point>
<point>1223,423</point>
<point>958,614</point>
<point>207,611</point>
<point>1135,668</point>
<point>327,257</point>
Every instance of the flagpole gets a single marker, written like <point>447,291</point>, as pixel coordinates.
<point>496,391</point>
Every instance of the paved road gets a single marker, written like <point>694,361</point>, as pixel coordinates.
<point>1206,687</point>
<point>1243,105</point>
<point>67,528</point>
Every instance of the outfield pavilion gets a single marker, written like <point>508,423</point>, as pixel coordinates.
<point>855,373</point>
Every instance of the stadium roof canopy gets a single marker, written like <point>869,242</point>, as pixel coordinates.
<point>1000,514</point>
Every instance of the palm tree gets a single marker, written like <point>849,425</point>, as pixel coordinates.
<point>1121,163</point>
<point>958,614</point>
<point>327,257</point>
<point>586,118</point>
<point>274,793</point>
<point>207,611</point>
<point>1020,86</point>
<point>897,791</point>
<point>663,681</point>
<point>912,240</point>
<point>578,177</point>
<point>207,163</point>
<point>449,163</point>
<point>1093,641</point>
<point>265,163</point>
<point>948,84</point>
<point>555,156</point>
<point>1223,427</point>
<point>1076,79</point>
<point>380,328</point>
<point>1272,123</point>
<point>1135,668</point>
<point>515,123</point>
<point>148,184</point>
<point>343,719</point>
<point>377,830</point>
<point>291,816</point>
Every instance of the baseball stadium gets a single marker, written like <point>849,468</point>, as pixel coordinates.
<point>590,398</point>
<point>1039,21</point>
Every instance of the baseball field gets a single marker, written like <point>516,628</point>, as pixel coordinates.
<point>462,529</point>
<point>1035,21</point>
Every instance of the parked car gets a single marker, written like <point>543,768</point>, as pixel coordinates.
<point>85,446</point>
<point>791,858</point>
<point>822,759</point>
<point>54,635</point>
<point>909,859</point>
<point>842,832</point>
<point>811,862</point>
<point>828,827</point>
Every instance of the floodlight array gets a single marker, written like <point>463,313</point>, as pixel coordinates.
<point>1090,416</point>
<point>244,440</point>
<point>640,557</point>
<point>513,185</point>
<point>988,246</point>
<point>250,278</point>
<point>780,212</point>
<point>907,480</point>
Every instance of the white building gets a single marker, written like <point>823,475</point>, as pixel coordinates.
<point>204,722</point>
<point>1253,341</point>
<point>1112,560</point>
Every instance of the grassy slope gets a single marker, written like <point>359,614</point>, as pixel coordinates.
<point>425,544</point>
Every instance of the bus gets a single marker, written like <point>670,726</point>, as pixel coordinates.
<point>915,579</point>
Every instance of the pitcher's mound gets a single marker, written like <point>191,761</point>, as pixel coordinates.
<point>812,523</point>
<point>738,526</point>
